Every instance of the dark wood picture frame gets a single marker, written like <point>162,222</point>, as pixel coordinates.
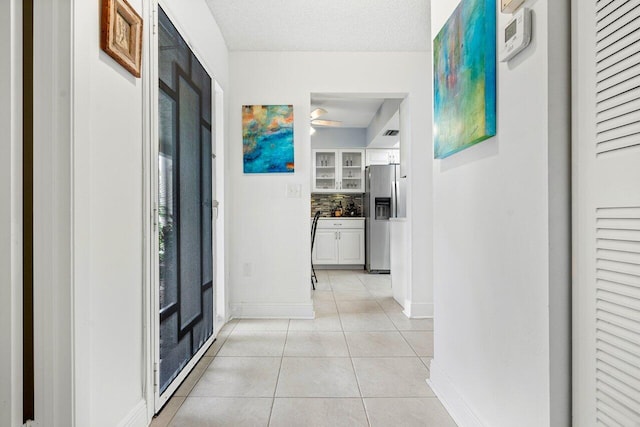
<point>121,34</point>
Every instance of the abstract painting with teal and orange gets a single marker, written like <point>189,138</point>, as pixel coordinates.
<point>464,73</point>
<point>267,138</point>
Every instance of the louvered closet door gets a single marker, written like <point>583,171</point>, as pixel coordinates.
<point>607,212</point>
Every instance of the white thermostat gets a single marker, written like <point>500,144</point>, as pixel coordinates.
<point>517,34</point>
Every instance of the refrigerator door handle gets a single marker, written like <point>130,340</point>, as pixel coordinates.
<point>394,199</point>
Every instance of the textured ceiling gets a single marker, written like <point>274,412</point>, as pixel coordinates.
<point>323,25</point>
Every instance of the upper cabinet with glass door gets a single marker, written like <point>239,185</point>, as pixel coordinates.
<point>338,171</point>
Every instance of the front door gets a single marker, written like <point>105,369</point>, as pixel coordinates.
<point>185,182</point>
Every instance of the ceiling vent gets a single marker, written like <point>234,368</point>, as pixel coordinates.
<point>391,132</point>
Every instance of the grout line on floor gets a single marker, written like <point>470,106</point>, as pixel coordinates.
<point>275,389</point>
<point>356,376</point>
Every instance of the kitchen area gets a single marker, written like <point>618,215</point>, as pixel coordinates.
<point>357,186</point>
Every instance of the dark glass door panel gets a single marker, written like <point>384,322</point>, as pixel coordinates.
<point>184,203</point>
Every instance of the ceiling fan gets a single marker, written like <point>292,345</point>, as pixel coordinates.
<point>319,122</point>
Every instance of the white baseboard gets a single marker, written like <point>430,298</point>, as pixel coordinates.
<point>450,398</point>
<point>272,311</point>
<point>419,310</point>
<point>137,417</point>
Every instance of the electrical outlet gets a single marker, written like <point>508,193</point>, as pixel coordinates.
<point>247,269</point>
<point>294,191</point>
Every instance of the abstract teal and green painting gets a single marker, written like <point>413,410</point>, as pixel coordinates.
<point>464,73</point>
<point>267,138</point>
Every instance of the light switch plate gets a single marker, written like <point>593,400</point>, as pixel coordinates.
<point>510,6</point>
<point>294,191</point>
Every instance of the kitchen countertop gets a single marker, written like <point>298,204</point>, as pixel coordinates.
<point>340,217</point>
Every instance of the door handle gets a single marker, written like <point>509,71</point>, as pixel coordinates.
<point>215,204</point>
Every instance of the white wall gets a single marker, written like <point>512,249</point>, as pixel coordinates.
<point>381,119</point>
<point>269,233</point>
<point>93,166</point>
<point>10,213</point>
<point>338,138</point>
<point>501,215</point>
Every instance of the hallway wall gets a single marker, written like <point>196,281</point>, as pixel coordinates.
<point>270,242</point>
<point>96,170</point>
<point>501,244</point>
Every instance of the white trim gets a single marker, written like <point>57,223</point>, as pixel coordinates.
<point>58,380</point>
<point>222,291</point>
<point>453,402</point>
<point>11,213</point>
<point>272,311</point>
<point>418,310</point>
<point>80,199</point>
<point>137,417</point>
<point>148,134</point>
<point>153,302</point>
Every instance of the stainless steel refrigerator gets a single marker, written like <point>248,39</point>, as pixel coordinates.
<point>384,198</point>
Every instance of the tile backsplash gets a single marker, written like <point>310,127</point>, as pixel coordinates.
<point>327,202</point>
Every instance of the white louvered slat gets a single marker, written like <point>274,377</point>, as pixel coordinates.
<point>617,212</point>
<point>617,245</point>
<point>620,289</point>
<point>619,327</point>
<point>624,98</point>
<point>618,57</point>
<point>628,223</point>
<point>616,50</point>
<point>618,89</point>
<point>620,267</point>
<point>623,414</point>
<point>614,13</point>
<point>617,343</point>
<point>618,390</point>
<point>631,107</point>
<point>620,379</point>
<point>629,235</point>
<point>621,26</point>
<point>618,76</point>
<point>623,124</point>
<point>618,316</point>
<point>602,4</point>
<point>627,368</point>
<point>617,296</point>
<point>612,255</point>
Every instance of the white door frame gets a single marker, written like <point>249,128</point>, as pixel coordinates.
<point>11,213</point>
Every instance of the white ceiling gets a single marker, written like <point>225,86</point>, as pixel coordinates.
<point>323,25</point>
<point>353,112</point>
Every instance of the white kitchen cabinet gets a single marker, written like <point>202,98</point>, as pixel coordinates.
<point>325,248</point>
<point>351,246</point>
<point>338,171</point>
<point>339,242</point>
<point>380,156</point>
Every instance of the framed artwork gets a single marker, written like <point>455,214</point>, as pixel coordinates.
<point>121,34</point>
<point>267,138</point>
<point>464,73</point>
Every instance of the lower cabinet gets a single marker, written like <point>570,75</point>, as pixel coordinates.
<point>351,247</point>
<point>339,242</point>
<point>325,248</point>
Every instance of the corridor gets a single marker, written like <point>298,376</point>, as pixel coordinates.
<point>360,362</point>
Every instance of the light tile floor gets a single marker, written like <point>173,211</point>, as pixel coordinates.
<point>360,362</point>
